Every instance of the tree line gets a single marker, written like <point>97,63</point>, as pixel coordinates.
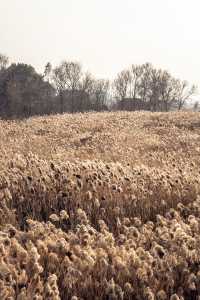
<point>67,88</point>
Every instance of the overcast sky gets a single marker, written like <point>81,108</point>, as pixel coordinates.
<point>104,35</point>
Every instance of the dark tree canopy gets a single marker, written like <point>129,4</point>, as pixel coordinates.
<point>23,92</point>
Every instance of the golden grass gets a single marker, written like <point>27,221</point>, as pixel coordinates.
<point>100,206</point>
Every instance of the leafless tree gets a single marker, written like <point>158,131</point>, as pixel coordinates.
<point>4,61</point>
<point>167,90</point>
<point>86,91</point>
<point>101,88</point>
<point>47,71</point>
<point>184,93</point>
<point>121,84</point>
<point>154,89</point>
<point>87,83</point>
<point>151,88</point>
<point>136,72</point>
<point>145,83</point>
<point>67,77</point>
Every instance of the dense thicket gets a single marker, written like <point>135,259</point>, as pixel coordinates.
<point>23,92</point>
<point>66,88</point>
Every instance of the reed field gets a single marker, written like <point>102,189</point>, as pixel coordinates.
<point>100,206</point>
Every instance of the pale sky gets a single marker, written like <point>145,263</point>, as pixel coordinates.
<point>104,35</point>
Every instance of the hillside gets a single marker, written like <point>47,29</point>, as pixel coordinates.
<point>100,206</point>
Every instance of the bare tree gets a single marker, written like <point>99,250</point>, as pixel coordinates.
<point>154,89</point>
<point>87,83</point>
<point>161,90</point>
<point>136,73</point>
<point>101,87</point>
<point>67,77</point>
<point>86,91</point>
<point>167,90</point>
<point>4,61</point>
<point>145,83</point>
<point>146,87</point>
<point>121,84</point>
<point>47,71</point>
<point>184,93</point>
<point>60,84</point>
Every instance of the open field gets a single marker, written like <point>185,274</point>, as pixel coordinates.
<point>100,206</point>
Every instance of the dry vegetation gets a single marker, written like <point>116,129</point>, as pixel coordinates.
<point>100,206</point>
